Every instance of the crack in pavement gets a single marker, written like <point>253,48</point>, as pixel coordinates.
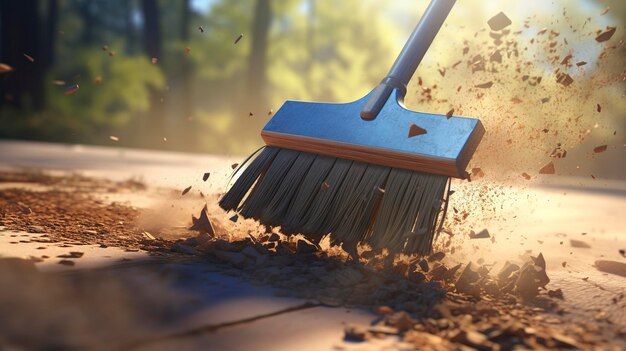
<point>215,327</point>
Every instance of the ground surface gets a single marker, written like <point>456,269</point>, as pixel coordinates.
<point>113,216</point>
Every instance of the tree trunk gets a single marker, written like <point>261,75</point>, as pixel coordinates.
<point>49,44</point>
<point>20,34</point>
<point>152,40</point>
<point>187,124</point>
<point>152,46</point>
<point>257,87</point>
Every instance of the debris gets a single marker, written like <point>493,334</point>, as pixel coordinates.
<point>270,112</point>
<point>325,186</point>
<point>71,89</point>
<point>355,333</point>
<point>201,29</point>
<point>547,169</point>
<point>186,190</point>
<point>486,85</point>
<point>579,244</point>
<point>437,256</point>
<point>564,79</point>
<point>414,130</point>
<point>234,165</point>
<point>234,218</point>
<point>67,262</point>
<point>4,68</point>
<point>598,108</point>
<point>29,58</point>
<point>606,34</point>
<point>206,176</point>
<point>622,252</point>
<point>606,9</point>
<point>58,82</point>
<point>545,99</point>
<point>154,60</point>
<point>599,149</point>
<point>400,320</point>
<point>238,38</point>
<point>203,223</point>
<point>526,176</point>
<point>187,50</point>
<point>483,234</point>
<point>450,113</point>
<point>478,172</point>
<point>97,80</point>
<point>384,310</point>
<point>72,254</point>
<point>304,247</point>
<point>563,264</point>
<point>499,22</point>
<point>114,138</point>
<point>612,267</point>
<point>581,63</point>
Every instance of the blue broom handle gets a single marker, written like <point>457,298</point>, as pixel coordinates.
<point>409,58</point>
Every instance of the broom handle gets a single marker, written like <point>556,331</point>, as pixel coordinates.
<point>409,58</point>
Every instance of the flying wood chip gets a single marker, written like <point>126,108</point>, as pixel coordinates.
<point>206,176</point>
<point>478,172</point>
<point>234,165</point>
<point>29,58</point>
<point>450,113</point>
<point>414,130</point>
<point>499,21</point>
<point>547,169</point>
<point>238,38</point>
<point>4,68</point>
<point>71,89</point>
<point>483,234</point>
<point>605,34</point>
<point>581,63</point>
<point>487,85</point>
<point>186,190</point>
<point>599,149</point>
<point>564,79</point>
<point>234,218</point>
<point>598,108</point>
<point>202,224</point>
<point>526,176</point>
<point>114,138</point>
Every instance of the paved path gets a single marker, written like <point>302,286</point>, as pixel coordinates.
<point>538,218</point>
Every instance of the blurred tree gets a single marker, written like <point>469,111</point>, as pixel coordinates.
<point>20,35</point>
<point>257,87</point>
<point>153,48</point>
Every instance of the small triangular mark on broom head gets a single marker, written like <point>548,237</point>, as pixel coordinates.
<point>415,130</point>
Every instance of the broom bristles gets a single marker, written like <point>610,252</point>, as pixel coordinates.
<point>355,202</point>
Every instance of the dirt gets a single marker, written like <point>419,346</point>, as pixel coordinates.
<point>428,303</point>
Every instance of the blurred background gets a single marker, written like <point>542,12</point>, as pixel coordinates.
<point>206,75</point>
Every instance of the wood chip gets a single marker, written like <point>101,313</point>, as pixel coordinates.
<point>564,79</point>
<point>605,34</point>
<point>483,234</point>
<point>203,223</point>
<point>499,22</point>
<point>67,262</point>
<point>599,149</point>
<point>187,50</point>
<point>206,176</point>
<point>606,9</point>
<point>486,85</point>
<point>114,138</point>
<point>154,60</point>
<point>579,244</point>
<point>186,190</point>
<point>598,108</point>
<point>238,38</point>
<point>234,165</point>
<point>29,58</point>
<point>325,186</point>
<point>547,169</point>
<point>234,218</point>
<point>526,176</point>
<point>478,172</point>
<point>415,130</point>
<point>4,68</point>
<point>450,113</point>
<point>201,29</point>
<point>71,89</point>
<point>581,63</point>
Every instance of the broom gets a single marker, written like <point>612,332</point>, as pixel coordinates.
<point>366,172</point>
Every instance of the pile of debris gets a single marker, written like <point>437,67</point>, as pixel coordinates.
<point>422,300</point>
